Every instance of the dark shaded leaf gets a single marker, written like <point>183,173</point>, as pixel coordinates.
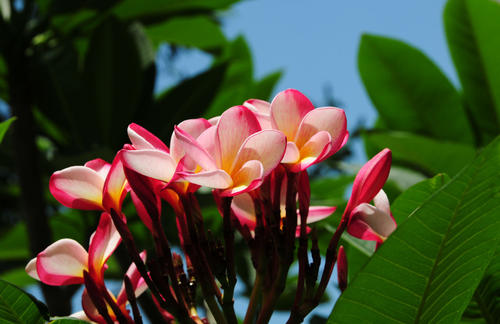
<point>190,99</point>
<point>119,76</point>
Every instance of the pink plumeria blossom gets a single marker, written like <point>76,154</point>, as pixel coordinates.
<point>369,222</point>
<point>235,155</point>
<point>138,284</point>
<point>64,261</point>
<point>372,222</point>
<point>312,134</point>
<point>97,185</point>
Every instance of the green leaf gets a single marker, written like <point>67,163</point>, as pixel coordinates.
<point>409,200</point>
<point>14,243</point>
<point>119,76</point>
<point>471,28</point>
<point>428,269</point>
<point>4,126</point>
<point>190,99</point>
<point>156,10</point>
<point>486,301</point>
<point>197,31</point>
<point>16,306</point>
<point>423,154</point>
<point>409,91</point>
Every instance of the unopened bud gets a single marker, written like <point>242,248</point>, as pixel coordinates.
<point>342,269</point>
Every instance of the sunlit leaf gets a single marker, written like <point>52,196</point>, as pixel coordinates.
<point>409,91</point>
<point>428,269</point>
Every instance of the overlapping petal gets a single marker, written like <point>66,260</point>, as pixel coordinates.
<point>142,139</point>
<point>155,164</point>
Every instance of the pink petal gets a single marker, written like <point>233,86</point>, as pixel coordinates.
<point>77,187</point>
<point>194,150</point>
<point>138,283</point>
<point>267,146</point>
<point>287,110</point>
<point>243,208</point>
<point>151,163</point>
<point>317,213</point>
<point>370,179</point>
<point>378,221</point>
<point>62,263</point>
<point>216,179</point>
<point>234,127</point>
<point>262,111</point>
<point>100,166</point>
<point>329,119</point>
<point>31,269</point>
<point>142,139</point>
<point>292,154</point>
<point>247,178</point>
<point>382,202</point>
<point>102,244</point>
<point>115,185</point>
<point>193,127</point>
<point>314,151</point>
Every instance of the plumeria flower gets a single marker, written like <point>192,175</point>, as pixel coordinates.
<point>97,185</point>
<point>369,222</point>
<point>312,134</point>
<point>64,261</point>
<point>235,155</point>
<point>90,312</point>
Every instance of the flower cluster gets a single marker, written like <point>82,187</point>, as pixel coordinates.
<point>255,158</point>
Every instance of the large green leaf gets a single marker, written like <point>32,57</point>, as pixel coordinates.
<point>119,76</point>
<point>409,91</point>
<point>67,320</point>
<point>409,200</point>
<point>197,31</point>
<point>428,269</point>
<point>422,153</point>
<point>472,28</point>
<point>4,126</point>
<point>18,307</point>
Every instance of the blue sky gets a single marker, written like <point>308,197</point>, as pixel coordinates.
<point>315,44</point>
